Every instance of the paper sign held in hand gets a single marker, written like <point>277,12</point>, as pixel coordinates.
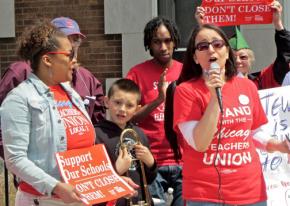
<point>91,172</point>
<point>237,12</point>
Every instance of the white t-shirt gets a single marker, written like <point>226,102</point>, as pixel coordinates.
<point>286,80</point>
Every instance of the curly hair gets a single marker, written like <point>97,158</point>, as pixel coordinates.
<point>153,25</point>
<point>251,56</point>
<point>37,40</point>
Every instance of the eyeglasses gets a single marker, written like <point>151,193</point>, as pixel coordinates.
<point>157,41</point>
<point>216,44</point>
<point>70,55</point>
<point>243,57</point>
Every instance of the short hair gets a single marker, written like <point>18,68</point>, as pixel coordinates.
<point>126,85</point>
<point>193,70</point>
<point>37,40</point>
<point>251,56</point>
<point>153,25</point>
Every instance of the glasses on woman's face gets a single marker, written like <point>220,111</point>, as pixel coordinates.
<point>216,44</point>
<point>70,55</point>
<point>242,57</point>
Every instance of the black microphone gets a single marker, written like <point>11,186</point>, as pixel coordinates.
<point>214,66</point>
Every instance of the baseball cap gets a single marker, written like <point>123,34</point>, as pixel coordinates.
<point>238,42</point>
<point>67,26</point>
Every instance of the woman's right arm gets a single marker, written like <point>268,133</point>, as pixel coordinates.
<point>16,126</point>
<point>206,127</point>
<point>204,131</point>
<point>197,126</point>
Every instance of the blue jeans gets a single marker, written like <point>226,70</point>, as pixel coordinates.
<point>194,203</point>
<point>168,176</point>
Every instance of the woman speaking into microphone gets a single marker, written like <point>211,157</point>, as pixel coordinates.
<point>221,165</point>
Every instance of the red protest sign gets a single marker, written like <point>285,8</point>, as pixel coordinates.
<point>237,12</point>
<point>92,174</point>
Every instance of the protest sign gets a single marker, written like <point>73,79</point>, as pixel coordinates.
<point>276,167</point>
<point>237,12</point>
<point>91,172</point>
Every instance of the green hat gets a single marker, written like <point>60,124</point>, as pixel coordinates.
<point>238,42</point>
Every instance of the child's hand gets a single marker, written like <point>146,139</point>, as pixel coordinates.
<point>144,154</point>
<point>123,162</point>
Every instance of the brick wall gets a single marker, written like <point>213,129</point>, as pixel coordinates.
<point>99,53</point>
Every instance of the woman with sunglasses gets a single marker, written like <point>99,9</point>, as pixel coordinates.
<point>42,116</point>
<point>221,165</point>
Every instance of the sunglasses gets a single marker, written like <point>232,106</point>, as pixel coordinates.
<point>70,55</point>
<point>216,44</point>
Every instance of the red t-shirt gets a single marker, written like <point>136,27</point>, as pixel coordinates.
<point>147,75</point>
<point>242,179</point>
<point>79,130</point>
<point>266,78</point>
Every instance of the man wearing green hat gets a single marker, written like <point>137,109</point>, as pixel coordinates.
<point>238,41</point>
<point>244,55</point>
<point>272,75</point>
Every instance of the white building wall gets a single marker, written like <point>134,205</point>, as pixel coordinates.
<point>128,17</point>
<point>286,6</point>
<point>133,51</point>
<point>261,40</point>
<point>7,19</point>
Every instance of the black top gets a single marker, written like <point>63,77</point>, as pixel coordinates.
<point>108,133</point>
<point>281,66</point>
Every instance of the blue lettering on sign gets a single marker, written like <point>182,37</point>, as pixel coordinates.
<point>266,98</point>
<point>280,126</point>
<point>270,163</point>
<point>274,105</point>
